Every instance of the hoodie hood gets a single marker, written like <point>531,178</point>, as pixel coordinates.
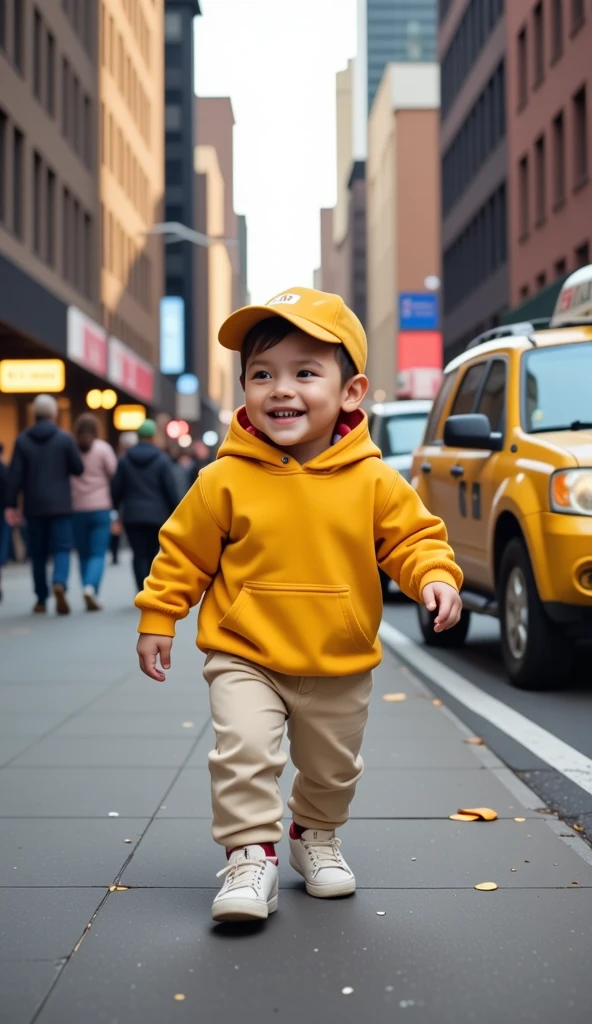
<point>42,431</point>
<point>143,454</point>
<point>354,444</point>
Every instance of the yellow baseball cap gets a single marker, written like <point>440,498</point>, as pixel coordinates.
<point>320,314</point>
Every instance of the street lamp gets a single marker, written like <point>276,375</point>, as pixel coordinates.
<point>173,231</point>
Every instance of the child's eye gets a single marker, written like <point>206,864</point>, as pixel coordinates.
<point>261,375</point>
<point>306,373</point>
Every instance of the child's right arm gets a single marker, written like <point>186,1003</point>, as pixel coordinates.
<point>191,543</point>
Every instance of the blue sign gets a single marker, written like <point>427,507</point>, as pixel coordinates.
<point>187,384</point>
<point>172,334</point>
<point>418,311</point>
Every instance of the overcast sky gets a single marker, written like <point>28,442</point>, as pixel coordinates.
<point>277,60</point>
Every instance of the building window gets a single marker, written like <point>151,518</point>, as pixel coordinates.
<point>37,202</point>
<point>578,14</point>
<point>172,117</point>
<point>37,58</point>
<point>3,131</point>
<point>19,36</point>
<point>540,173</point>
<point>522,60</point>
<point>87,132</point>
<point>558,160</point>
<point>561,268</point>
<point>3,25</point>
<point>173,27</point>
<point>541,281</point>
<point>580,127</point>
<point>87,256</point>
<point>539,43</point>
<point>75,114</point>
<point>524,292</point>
<point>18,168</point>
<point>65,98</point>
<point>50,73</point>
<point>77,275</point>
<point>523,191</point>
<point>50,201</point>
<point>556,29</point>
<point>582,255</point>
<point>66,240</point>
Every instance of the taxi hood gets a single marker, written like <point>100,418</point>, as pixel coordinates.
<point>577,442</point>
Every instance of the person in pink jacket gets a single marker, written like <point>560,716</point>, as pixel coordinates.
<point>91,502</point>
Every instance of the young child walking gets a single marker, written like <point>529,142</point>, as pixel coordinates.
<point>282,537</point>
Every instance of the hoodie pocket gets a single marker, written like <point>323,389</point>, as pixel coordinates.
<point>293,624</point>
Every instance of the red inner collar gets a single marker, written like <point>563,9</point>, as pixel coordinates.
<point>345,423</point>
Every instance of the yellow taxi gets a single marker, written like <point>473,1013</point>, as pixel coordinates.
<point>506,461</point>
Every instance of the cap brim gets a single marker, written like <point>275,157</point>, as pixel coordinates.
<point>235,329</point>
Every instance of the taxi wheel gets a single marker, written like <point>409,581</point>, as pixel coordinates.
<point>536,654</point>
<point>454,637</point>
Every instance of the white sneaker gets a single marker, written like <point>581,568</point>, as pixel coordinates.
<point>316,856</point>
<point>250,890</point>
<point>90,597</point>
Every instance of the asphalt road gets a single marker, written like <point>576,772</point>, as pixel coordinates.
<point>565,712</point>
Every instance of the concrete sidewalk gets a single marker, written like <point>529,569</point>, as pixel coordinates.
<point>85,737</point>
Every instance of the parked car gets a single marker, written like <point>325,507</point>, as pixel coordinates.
<point>398,428</point>
<point>507,463</point>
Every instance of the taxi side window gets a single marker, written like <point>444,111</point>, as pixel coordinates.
<point>467,393</point>
<point>493,398</point>
<point>432,432</point>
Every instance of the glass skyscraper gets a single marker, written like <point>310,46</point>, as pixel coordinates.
<point>399,30</point>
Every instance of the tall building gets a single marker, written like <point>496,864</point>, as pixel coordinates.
<point>549,147</point>
<point>396,31</point>
<point>181,338</point>
<point>472,45</point>
<point>80,184</point>
<point>403,233</point>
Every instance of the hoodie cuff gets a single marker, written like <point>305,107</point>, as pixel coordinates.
<point>438,576</point>
<point>157,623</point>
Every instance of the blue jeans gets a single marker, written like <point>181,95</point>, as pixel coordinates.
<point>49,535</point>
<point>91,537</point>
<point>5,540</point>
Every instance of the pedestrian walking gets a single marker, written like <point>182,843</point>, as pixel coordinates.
<point>92,505</point>
<point>282,537</point>
<point>4,527</point>
<point>144,489</point>
<point>43,461</point>
<point>127,440</point>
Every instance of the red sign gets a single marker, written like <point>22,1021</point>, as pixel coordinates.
<point>129,372</point>
<point>419,364</point>
<point>87,342</point>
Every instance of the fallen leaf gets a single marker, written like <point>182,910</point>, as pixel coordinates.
<point>437,703</point>
<point>394,698</point>
<point>380,913</point>
<point>113,814</point>
<point>486,886</point>
<point>121,888</point>
<point>464,817</point>
<point>575,883</point>
<point>475,741</point>
<point>579,828</point>
<point>347,991</point>
<point>187,725</point>
<point>519,819</point>
<point>179,997</point>
<point>513,869</point>
<point>128,840</point>
<point>112,888</point>
<point>484,813</point>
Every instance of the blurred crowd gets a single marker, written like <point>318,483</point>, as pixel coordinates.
<point>64,492</point>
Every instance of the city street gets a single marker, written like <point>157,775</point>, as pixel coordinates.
<point>108,869</point>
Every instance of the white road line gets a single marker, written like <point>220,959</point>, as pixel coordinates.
<point>559,755</point>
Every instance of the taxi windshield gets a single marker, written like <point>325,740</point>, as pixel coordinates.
<point>557,394</point>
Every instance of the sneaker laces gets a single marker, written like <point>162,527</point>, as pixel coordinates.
<point>324,852</point>
<point>242,874</point>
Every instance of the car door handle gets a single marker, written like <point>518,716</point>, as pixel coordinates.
<point>426,467</point>
<point>456,470</point>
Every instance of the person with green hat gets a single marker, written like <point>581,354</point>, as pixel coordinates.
<point>144,491</point>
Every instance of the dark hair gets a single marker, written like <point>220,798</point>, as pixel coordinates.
<point>86,430</point>
<point>268,333</point>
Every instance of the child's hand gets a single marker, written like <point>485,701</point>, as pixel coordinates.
<point>446,599</point>
<point>150,646</point>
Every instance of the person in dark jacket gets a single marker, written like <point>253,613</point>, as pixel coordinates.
<point>144,489</point>
<point>43,461</point>
<point>4,527</point>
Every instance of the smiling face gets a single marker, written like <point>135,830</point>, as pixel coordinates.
<point>294,394</point>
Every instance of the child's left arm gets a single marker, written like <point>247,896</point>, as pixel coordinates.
<point>412,548</point>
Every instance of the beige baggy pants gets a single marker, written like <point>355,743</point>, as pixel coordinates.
<point>250,705</point>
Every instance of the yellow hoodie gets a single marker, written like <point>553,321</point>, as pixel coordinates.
<point>286,554</point>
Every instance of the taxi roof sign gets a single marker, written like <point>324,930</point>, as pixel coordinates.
<point>575,299</point>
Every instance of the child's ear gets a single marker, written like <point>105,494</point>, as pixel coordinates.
<point>354,392</point>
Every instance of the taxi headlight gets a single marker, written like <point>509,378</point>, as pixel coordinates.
<point>571,491</point>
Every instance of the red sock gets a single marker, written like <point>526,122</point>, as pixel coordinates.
<point>296,830</point>
<point>268,847</point>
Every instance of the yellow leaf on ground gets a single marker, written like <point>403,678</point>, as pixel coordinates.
<point>463,817</point>
<point>437,702</point>
<point>519,819</point>
<point>486,886</point>
<point>179,997</point>
<point>579,828</point>
<point>394,697</point>
<point>484,813</point>
<point>475,741</point>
